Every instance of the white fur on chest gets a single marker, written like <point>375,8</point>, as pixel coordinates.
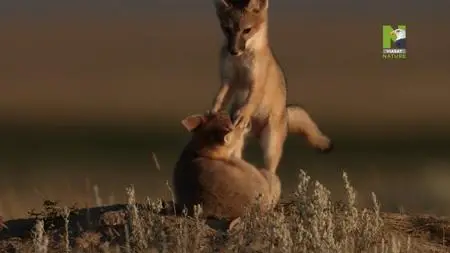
<point>239,70</point>
<point>245,62</point>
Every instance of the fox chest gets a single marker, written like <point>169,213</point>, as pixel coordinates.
<point>240,72</point>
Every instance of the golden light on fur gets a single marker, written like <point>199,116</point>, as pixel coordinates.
<point>208,173</point>
<point>254,84</point>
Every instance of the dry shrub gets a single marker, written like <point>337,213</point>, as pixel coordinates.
<point>309,222</point>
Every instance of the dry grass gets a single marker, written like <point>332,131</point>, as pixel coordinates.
<point>306,221</point>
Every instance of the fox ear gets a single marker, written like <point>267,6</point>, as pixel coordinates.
<point>227,138</point>
<point>222,3</point>
<point>258,5</point>
<point>193,121</point>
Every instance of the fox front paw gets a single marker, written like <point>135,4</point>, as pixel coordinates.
<point>241,120</point>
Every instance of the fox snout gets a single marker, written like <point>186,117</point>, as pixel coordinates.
<point>236,45</point>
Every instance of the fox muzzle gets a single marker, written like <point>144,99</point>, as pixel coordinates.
<point>236,45</point>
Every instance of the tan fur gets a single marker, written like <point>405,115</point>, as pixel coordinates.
<point>208,174</point>
<point>252,77</point>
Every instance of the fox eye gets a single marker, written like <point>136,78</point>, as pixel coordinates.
<point>247,30</point>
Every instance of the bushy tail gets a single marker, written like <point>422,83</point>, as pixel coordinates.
<point>300,122</point>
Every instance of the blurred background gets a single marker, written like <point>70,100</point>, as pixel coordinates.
<point>92,91</point>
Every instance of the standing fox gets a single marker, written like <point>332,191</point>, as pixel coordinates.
<point>251,75</point>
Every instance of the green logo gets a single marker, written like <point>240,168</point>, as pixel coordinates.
<point>394,42</point>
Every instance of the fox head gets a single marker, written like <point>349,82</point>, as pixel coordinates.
<point>243,22</point>
<point>214,130</point>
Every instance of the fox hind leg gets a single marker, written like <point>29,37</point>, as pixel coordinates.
<point>271,141</point>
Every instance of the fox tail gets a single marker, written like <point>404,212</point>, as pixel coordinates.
<point>300,122</point>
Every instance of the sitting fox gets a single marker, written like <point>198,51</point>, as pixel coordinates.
<point>208,174</point>
<point>251,75</point>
